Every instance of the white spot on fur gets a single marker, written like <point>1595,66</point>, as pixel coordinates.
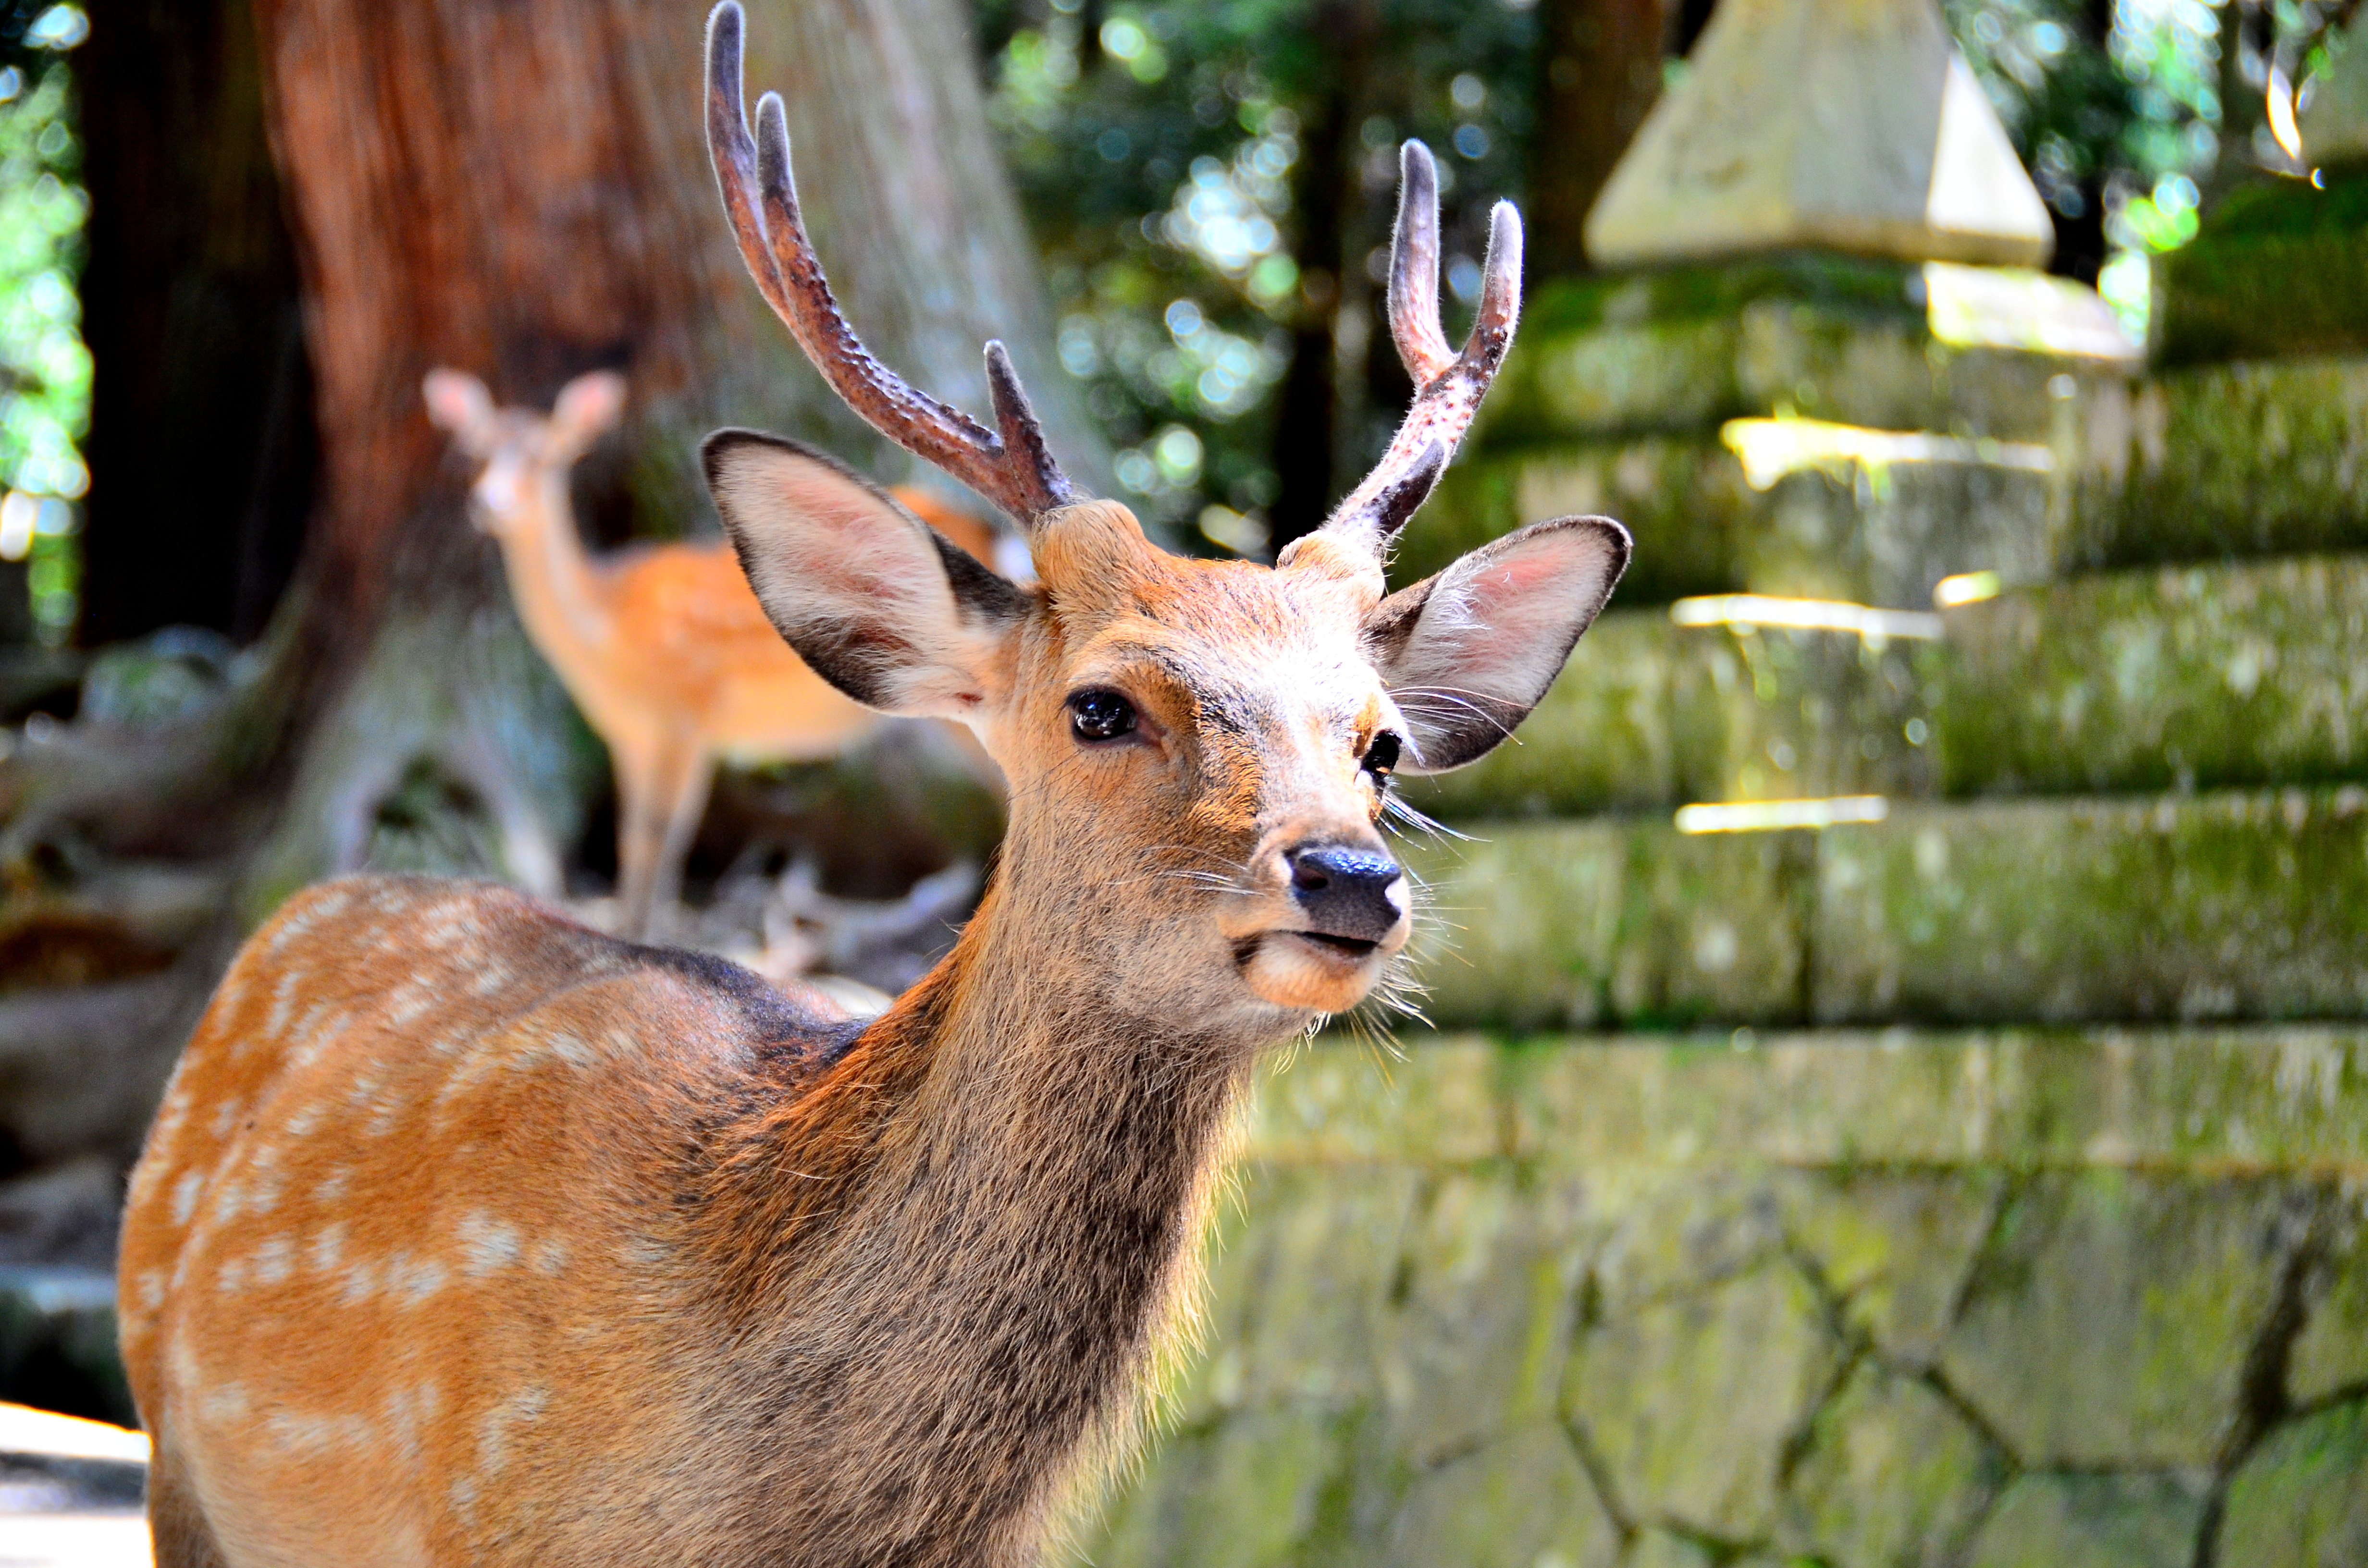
<point>332,1186</point>
<point>226,1203</point>
<point>224,1401</point>
<point>361,1282</point>
<point>184,1195</point>
<point>329,1247</point>
<point>492,975</point>
<point>273,1261</point>
<point>464,1498</point>
<point>569,1049</point>
<point>494,1437</point>
<point>151,1287</point>
<point>231,1277</point>
<point>225,1117</point>
<point>283,1003</point>
<point>488,1244</point>
<point>305,1121</point>
<point>550,1255</point>
<point>414,1281</point>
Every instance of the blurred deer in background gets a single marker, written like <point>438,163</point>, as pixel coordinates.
<point>663,647</point>
<point>469,1235</point>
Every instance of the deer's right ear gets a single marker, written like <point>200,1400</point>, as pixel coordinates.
<point>457,402</point>
<point>873,600</point>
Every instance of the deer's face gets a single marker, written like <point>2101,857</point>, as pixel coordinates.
<point>1199,752</point>
<point>519,450</point>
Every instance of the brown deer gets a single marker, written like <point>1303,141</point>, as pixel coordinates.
<point>469,1235</point>
<point>664,650</point>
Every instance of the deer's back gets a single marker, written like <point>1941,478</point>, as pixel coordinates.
<point>407,1229</point>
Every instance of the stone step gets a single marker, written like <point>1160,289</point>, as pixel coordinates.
<point>2261,457</point>
<point>1897,1297</point>
<point>1819,511</point>
<point>2201,464</point>
<point>1894,346</point>
<point>2158,678</point>
<point>1651,714</point>
<point>2240,904</point>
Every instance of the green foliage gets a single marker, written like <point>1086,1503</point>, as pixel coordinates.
<point>1163,152</point>
<point>44,369</point>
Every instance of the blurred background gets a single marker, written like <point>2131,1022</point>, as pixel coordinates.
<point>1892,1086</point>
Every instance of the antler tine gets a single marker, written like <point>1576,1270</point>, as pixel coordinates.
<point>761,198</point>
<point>1447,391</point>
<point>1414,267</point>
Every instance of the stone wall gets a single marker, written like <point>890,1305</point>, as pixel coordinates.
<point>2018,1298</point>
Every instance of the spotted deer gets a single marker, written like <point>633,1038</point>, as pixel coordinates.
<point>469,1235</point>
<point>664,650</point>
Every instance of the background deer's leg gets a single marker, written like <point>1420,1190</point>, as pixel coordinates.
<point>686,771</point>
<point>641,834</point>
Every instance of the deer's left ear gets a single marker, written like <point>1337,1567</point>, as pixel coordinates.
<point>1468,653</point>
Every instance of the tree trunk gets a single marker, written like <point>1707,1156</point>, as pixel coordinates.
<point>200,445</point>
<point>521,190</point>
<point>1599,75</point>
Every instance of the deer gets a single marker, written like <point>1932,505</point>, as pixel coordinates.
<point>665,651</point>
<point>468,1235</point>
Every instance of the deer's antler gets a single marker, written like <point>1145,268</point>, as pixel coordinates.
<point>1012,468</point>
<point>1448,386</point>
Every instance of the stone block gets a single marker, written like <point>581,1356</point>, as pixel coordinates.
<point>1884,531</point>
<point>2330,1356</point>
<point>1587,923</point>
<point>2108,1320</point>
<point>1879,528</point>
<point>1657,1547</point>
<point>2257,458</point>
<point>1682,497</point>
<point>2235,905</point>
<point>1895,1248</point>
<point>1634,356</point>
<point>2301,1498</point>
<point>1649,714</point>
<point>2188,677</point>
<point>1300,1276</point>
<point>1522,1500</point>
<point>1891,1474</point>
<point>1669,1234</point>
<point>1692,1402</point>
<point>2279,268</point>
<point>2094,1521</point>
<point>1246,1492</point>
<point>1483,1306</point>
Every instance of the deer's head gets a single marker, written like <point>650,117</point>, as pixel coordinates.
<point>1200,752</point>
<point>520,449</point>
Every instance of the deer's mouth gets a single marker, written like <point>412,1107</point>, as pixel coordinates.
<point>1353,947</point>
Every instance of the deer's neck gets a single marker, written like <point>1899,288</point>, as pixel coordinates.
<point>990,1206</point>
<point>551,577</point>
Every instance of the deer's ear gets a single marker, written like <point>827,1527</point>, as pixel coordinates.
<point>457,402</point>
<point>1468,654</point>
<point>877,603</point>
<point>588,407</point>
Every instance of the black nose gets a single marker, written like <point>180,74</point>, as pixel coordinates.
<point>1359,894</point>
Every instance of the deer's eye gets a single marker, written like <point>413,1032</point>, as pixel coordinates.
<point>1382,756</point>
<point>1101,714</point>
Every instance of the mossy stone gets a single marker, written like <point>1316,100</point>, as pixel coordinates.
<point>2301,1498</point>
<point>1521,1500</point>
<point>2186,677</point>
<point>2093,1521</point>
<point>1895,1246</point>
<point>1692,1400</point>
<point>2279,268</point>
<point>2108,1323</point>
<point>2330,1354</point>
<point>1891,1474</point>
<point>2257,458</point>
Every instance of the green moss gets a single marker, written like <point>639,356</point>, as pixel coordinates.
<point>2302,1497</point>
<point>2280,267</point>
<point>2093,1521</point>
<point>2192,677</point>
<point>1889,1473</point>
<point>2256,459</point>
